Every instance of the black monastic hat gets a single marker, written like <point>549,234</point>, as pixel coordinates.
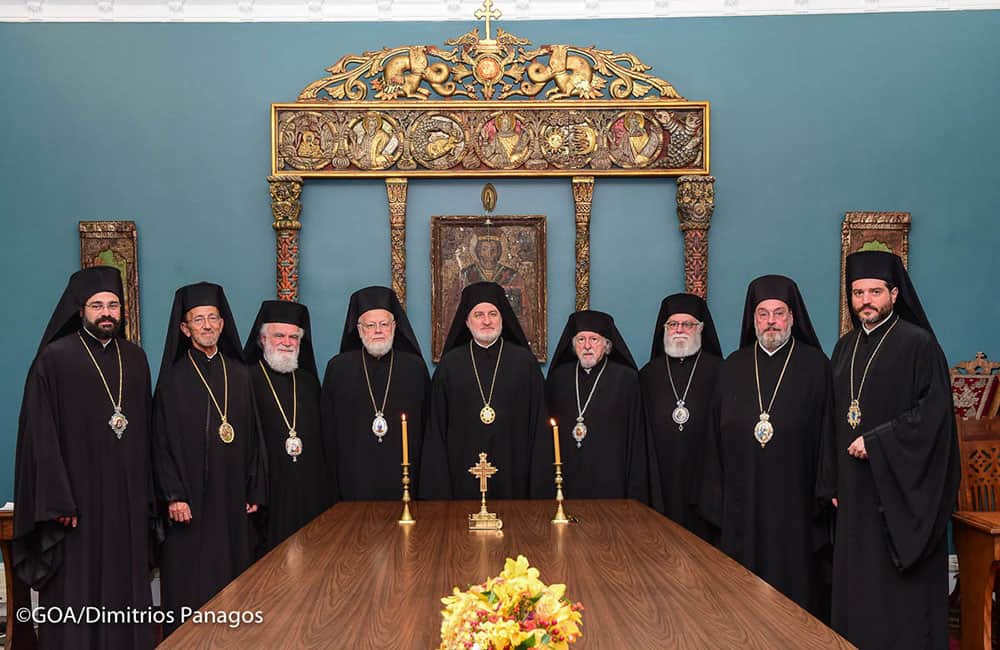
<point>882,265</point>
<point>377,297</point>
<point>186,298</point>
<point>591,321</point>
<point>474,294</point>
<point>686,303</point>
<point>777,287</point>
<point>81,286</point>
<point>282,311</point>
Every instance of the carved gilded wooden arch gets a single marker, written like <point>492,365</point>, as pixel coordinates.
<point>490,107</point>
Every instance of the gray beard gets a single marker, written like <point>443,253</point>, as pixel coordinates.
<point>283,362</point>
<point>681,349</point>
<point>771,341</point>
<point>378,350</point>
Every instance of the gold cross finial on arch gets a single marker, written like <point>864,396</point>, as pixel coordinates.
<point>487,12</point>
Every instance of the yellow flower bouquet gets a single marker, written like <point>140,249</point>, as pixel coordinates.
<point>513,611</point>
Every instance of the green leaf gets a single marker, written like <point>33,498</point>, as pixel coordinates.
<point>527,643</point>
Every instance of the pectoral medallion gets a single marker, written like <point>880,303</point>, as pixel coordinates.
<point>226,432</point>
<point>487,415</point>
<point>680,415</point>
<point>293,445</point>
<point>380,426</point>
<point>579,432</point>
<point>854,414</point>
<point>118,422</point>
<point>764,430</point>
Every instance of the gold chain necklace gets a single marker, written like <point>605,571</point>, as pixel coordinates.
<point>580,429</point>
<point>226,432</point>
<point>681,414</point>
<point>293,445</point>
<point>379,425</point>
<point>118,421</point>
<point>764,430</point>
<point>854,410</point>
<point>486,414</point>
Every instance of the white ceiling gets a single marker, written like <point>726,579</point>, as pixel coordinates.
<point>441,10</point>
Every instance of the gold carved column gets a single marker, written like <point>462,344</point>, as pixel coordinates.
<point>395,189</point>
<point>695,205</point>
<point>286,206</point>
<point>583,195</point>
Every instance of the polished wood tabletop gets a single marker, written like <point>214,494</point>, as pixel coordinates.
<point>355,578</point>
<point>977,540</point>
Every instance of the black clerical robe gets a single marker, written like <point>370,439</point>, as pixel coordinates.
<point>297,490</point>
<point>217,480</point>
<point>365,468</point>
<point>764,498</point>
<point>678,453</point>
<point>456,435</point>
<point>890,584</point>
<point>70,463</point>
<point>611,461</point>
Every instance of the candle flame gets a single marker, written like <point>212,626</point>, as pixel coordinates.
<point>403,416</point>
<point>552,421</point>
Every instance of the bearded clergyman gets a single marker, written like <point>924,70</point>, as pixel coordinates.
<point>770,413</point>
<point>677,386</point>
<point>592,391</point>
<point>488,396</point>
<point>279,356</point>
<point>378,377</point>
<point>82,478</point>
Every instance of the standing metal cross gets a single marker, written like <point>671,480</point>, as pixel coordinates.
<point>482,470</point>
<point>487,11</point>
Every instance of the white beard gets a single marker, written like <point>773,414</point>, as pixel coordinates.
<point>681,349</point>
<point>280,361</point>
<point>378,350</point>
<point>485,341</point>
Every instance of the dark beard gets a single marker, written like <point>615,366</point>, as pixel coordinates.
<point>97,332</point>
<point>880,316</point>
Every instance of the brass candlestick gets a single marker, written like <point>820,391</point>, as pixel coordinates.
<point>560,517</point>
<point>406,518</point>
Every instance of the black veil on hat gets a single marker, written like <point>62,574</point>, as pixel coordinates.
<point>474,294</point>
<point>882,265</point>
<point>377,297</point>
<point>202,294</point>
<point>591,321</point>
<point>81,286</point>
<point>686,303</point>
<point>282,311</point>
<point>777,287</point>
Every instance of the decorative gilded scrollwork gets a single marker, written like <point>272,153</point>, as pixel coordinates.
<point>488,69</point>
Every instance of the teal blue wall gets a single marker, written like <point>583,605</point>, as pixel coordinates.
<point>811,117</point>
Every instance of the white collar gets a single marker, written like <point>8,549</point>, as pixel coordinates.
<point>777,350</point>
<point>869,330</point>
<point>104,344</point>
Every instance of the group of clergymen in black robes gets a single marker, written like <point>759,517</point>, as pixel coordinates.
<point>241,446</point>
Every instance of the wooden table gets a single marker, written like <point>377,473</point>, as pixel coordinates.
<point>354,578</point>
<point>977,539</point>
<point>20,636</point>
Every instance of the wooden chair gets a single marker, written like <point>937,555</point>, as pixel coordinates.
<point>977,537</point>
<point>979,450</point>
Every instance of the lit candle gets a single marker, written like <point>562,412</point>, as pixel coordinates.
<point>555,439</point>
<point>406,446</point>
